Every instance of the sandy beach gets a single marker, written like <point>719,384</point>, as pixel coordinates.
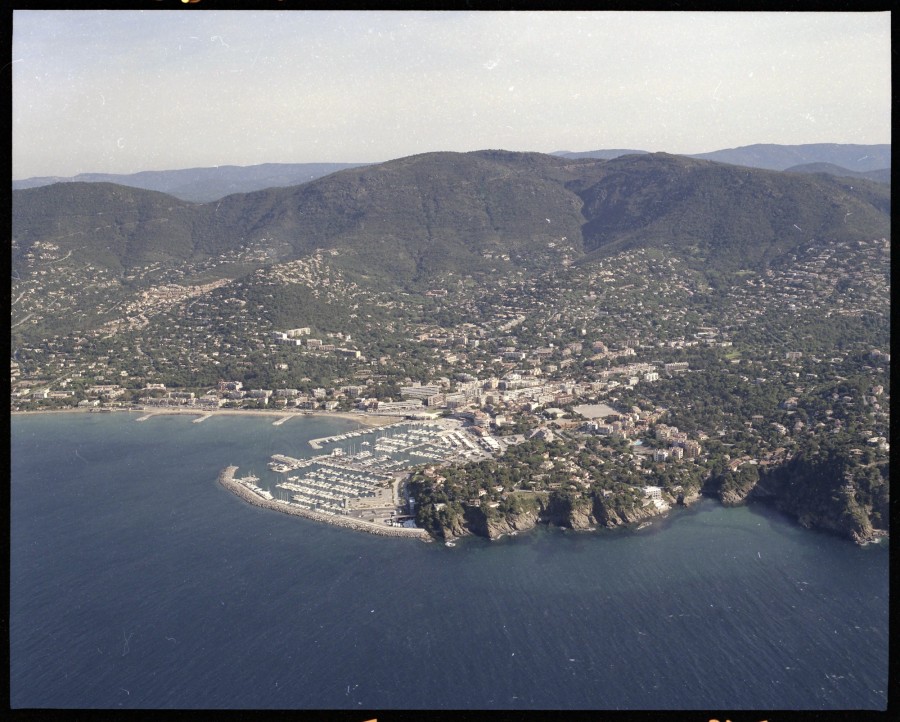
<point>369,420</point>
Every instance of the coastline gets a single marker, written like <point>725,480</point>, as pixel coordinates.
<point>363,419</point>
<point>227,480</point>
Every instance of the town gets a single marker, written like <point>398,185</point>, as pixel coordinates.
<point>634,374</point>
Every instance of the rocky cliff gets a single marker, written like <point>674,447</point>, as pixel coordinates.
<point>563,510</point>
<point>614,515</point>
<point>827,490</point>
<point>509,524</point>
<point>688,497</point>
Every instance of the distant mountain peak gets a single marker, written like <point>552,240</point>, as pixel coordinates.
<point>206,184</point>
<point>772,156</point>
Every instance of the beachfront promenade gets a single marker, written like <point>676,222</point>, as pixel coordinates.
<point>227,479</point>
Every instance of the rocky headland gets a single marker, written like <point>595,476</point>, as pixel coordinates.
<point>831,492</point>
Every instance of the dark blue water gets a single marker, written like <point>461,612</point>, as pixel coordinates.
<point>137,581</point>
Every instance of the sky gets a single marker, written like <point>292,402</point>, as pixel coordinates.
<point>121,91</point>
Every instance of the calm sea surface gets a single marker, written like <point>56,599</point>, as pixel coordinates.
<point>137,581</point>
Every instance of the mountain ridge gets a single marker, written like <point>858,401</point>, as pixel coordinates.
<point>202,185</point>
<point>882,175</point>
<point>773,156</point>
<point>415,217</point>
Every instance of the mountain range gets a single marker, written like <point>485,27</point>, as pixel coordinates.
<point>771,156</point>
<point>201,185</point>
<point>879,176</point>
<point>408,220</point>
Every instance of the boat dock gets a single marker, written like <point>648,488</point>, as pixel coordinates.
<point>318,443</point>
<point>335,488</point>
<point>283,464</point>
<point>202,418</point>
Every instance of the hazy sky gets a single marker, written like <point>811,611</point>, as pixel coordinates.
<point>123,91</point>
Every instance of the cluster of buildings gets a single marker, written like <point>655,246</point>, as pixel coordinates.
<point>679,445</point>
<point>637,424</point>
<point>300,337</point>
<point>137,312</point>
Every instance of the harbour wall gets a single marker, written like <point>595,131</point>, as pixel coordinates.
<point>226,479</point>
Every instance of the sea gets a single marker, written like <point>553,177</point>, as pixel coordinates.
<point>137,581</point>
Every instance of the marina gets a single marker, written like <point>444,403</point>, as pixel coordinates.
<point>358,475</point>
<point>317,444</point>
<point>440,440</point>
<point>247,490</point>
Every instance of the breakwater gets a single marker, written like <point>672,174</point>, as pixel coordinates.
<point>226,479</point>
